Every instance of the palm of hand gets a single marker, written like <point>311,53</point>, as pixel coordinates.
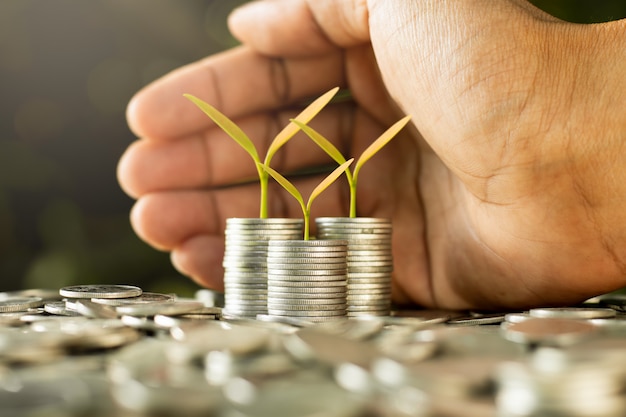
<point>520,195</point>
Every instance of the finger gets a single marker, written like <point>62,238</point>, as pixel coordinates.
<point>212,158</point>
<point>167,219</point>
<point>200,258</point>
<point>300,27</point>
<point>238,82</point>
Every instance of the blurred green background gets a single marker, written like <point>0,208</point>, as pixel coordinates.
<point>67,70</point>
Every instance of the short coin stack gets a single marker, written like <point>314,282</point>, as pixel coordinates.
<point>369,260</point>
<point>306,279</point>
<point>245,260</point>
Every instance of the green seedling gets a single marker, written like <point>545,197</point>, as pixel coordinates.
<point>367,154</point>
<point>279,140</point>
<point>306,207</point>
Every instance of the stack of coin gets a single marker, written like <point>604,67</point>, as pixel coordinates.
<point>370,262</point>
<point>245,257</point>
<point>306,279</point>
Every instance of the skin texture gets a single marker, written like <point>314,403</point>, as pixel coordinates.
<point>507,190</point>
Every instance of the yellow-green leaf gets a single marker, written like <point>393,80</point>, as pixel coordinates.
<point>305,116</point>
<point>379,143</point>
<point>322,142</point>
<point>284,182</point>
<point>227,126</point>
<point>332,177</point>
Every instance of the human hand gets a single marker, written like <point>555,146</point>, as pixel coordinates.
<point>500,205</point>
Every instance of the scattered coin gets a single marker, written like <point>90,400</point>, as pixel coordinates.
<point>100,291</point>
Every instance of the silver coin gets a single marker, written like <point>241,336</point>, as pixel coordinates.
<point>352,220</point>
<point>307,243</point>
<point>144,298</point>
<point>236,312</point>
<point>305,307</point>
<point>370,275</point>
<point>100,291</point>
<point>356,267</point>
<point>59,308</point>
<point>10,305</point>
<point>303,255</point>
<point>369,258</point>
<point>305,284</point>
<point>368,253</point>
<point>165,308</point>
<point>306,300</point>
<point>257,221</point>
<point>309,314</point>
<point>248,257</point>
<point>44,294</point>
<point>300,259</point>
<point>254,287</point>
<point>307,266</point>
<point>371,292</point>
<point>256,274</point>
<point>314,250</point>
<point>313,292</point>
<point>361,238</point>
<point>516,317</point>
<point>367,314</point>
<point>306,272</point>
<point>237,287</point>
<point>319,279</point>
<point>580,313</point>
<point>369,301</point>
<point>477,320</point>
<point>244,263</point>
<point>369,306</point>
<point>363,284</point>
<point>90,309</point>
<point>548,331</point>
<point>244,297</point>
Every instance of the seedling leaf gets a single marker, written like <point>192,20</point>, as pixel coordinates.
<point>321,141</point>
<point>227,126</point>
<point>305,116</point>
<point>332,177</point>
<point>284,182</point>
<point>379,143</point>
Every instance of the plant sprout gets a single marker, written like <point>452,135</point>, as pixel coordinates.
<point>306,207</point>
<point>279,140</point>
<point>367,154</point>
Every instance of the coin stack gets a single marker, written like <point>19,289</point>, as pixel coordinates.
<point>369,258</point>
<point>306,279</point>
<point>245,261</point>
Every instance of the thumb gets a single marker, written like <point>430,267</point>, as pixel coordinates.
<point>301,27</point>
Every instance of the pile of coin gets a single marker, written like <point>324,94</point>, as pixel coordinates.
<point>103,350</point>
<point>245,261</point>
<point>369,258</point>
<point>306,279</point>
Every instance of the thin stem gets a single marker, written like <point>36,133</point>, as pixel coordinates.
<point>264,181</point>
<point>352,200</point>
<point>307,220</point>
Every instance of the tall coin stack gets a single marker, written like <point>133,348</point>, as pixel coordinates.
<point>369,260</point>
<point>306,279</point>
<point>245,261</point>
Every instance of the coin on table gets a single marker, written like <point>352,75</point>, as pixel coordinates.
<point>144,298</point>
<point>19,304</point>
<point>548,331</point>
<point>165,308</point>
<point>100,291</point>
<point>579,313</point>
